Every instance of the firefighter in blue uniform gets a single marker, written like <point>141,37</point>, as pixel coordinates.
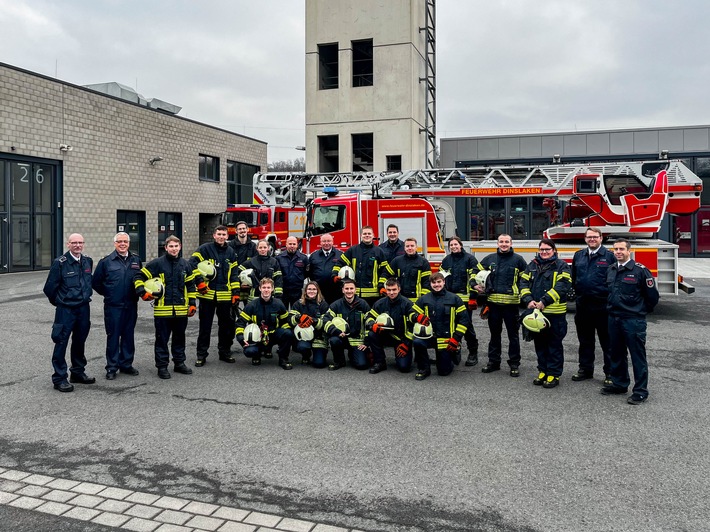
<point>294,265</point>
<point>216,296</point>
<point>589,270</point>
<point>544,286</point>
<point>354,310</point>
<point>447,314</point>
<point>320,268</point>
<point>369,263</point>
<point>113,279</point>
<point>393,246</point>
<point>68,288</point>
<point>632,295</point>
<point>411,270</point>
<point>401,310</point>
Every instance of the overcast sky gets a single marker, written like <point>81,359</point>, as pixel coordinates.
<point>503,66</point>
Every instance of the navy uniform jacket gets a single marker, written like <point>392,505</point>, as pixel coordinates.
<point>369,263</point>
<point>114,278</point>
<point>268,315</point>
<point>546,280</point>
<point>448,315</point>
<point>69,281</point>
<point>264,267</point>
<point>413,273</point>
<point>320,269</point>
<point>293,269</point>
<point>179,282</point>
<point>632,290</point>
<point>392,250</point>
<point>226,282</point>
<point>355,313</point>
<point>402,313</point>
<point>462,267</point>
<point>244,251</point>
<point>589,274</point>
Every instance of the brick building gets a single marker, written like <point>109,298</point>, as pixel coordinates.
<point>73,159</point>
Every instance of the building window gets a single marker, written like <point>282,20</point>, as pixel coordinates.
<point>240,182</point>
<point>209,168</point>
<point>328,149</point>
<point>394,163</point>
<point>362,63</point>
<point>328,66</point>
<point>362,152</point>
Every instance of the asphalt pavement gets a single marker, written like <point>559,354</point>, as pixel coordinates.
<point>349,450</point>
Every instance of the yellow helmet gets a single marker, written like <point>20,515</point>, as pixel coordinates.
<point>207,270</point>
<point>155,287</point>
<point>423,331</point>
<point>535,321</point>
<point>341,325</point>
<point>385,320</point>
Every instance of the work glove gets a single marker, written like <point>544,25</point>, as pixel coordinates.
<point>453,345</point>
<point>305,321</point>
<point>377,328</point>
<point>472,304</point>
<point>145,296</point>
<point>202,288</point>
<point>423,319</point>
<point>484,312</point>
<point>336,279</point>
<point>235,299</point>
<point>383,291</point>
<point>401,351</point>
<point>191,311</point>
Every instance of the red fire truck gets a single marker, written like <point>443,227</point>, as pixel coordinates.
<point>623,199</point>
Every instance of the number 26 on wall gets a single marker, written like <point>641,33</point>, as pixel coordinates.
<point>24,178</point>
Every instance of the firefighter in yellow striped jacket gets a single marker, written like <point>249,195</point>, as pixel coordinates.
<point>217,275</point>
<point>171,306</point>
<point>449,320</point>
<point>369,263</point>
<point>503,292</point>
<point>544,286</point>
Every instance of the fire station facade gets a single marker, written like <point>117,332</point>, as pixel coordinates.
<point>97,161</point>
<point>526,218</point>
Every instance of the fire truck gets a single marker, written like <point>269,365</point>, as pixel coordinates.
<point>627,199</point>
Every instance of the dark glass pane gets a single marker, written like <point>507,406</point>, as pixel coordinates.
<point>21,176</point>
<point>43,241</point>
<point>43,179</point>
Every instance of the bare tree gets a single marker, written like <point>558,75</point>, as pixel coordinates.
<point>295,165</point>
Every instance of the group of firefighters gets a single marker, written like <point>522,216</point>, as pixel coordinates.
<point>358,302</point>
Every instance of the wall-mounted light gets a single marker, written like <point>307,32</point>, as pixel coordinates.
<point>65,148</point>
<point>155,160</point>
<point>300,148</point>
<point>663,154</point>
<point>556,159</point>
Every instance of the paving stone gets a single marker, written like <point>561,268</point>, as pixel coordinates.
<point>295,525</point>
<point>33,491</point>
<point>40,480</point>
<point>63,484</point>
<point>171,503</point>
<point>258,518</point>
<point>110,519</point>
<point>200,508</point>
<point>167,527</point>
<point>89,488</point>
<point>60,495</point>
<point>115,493</point>
<point>11,474</point>
<point>114,506</point>
<point>328,528</point>
<point>3,469</point>
<point>87,500</point>
<point>231,526</point>
<point>11,485</point>
<point>141,510</point>
<point>205,523</point>
<point>264,529</point>
<point>173,516</point>
<point>232,514</point>
<point>136,524</point>
<point>85,514</point>
<point>6,497</point>
<point>143,498</point>
<point>28,503</point>
<point>54,508</point>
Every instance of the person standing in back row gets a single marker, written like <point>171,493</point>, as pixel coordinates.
<point>68,288</point>
<point>369,263</point>
<point>503,291</point>
<point>393,246</point>
<point>320,268</point>
<point>589,270</point>
<point>113,279</point>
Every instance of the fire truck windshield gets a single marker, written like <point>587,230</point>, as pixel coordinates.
<point>232,217</point>
<point>326,219</point>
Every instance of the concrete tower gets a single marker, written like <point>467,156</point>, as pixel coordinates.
<point>370,87</point>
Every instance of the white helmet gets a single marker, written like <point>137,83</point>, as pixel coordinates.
<point>346,272</point>
<point>245,278</point>
<point>423,331</point>
<point>303,334</point>
<point>481,277</point>
<point>385,320</point>
<point>341,325</point>
<point>535,321</point>
<point>155,287</point>
<point>252,333</point>
<point>207,270</point>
